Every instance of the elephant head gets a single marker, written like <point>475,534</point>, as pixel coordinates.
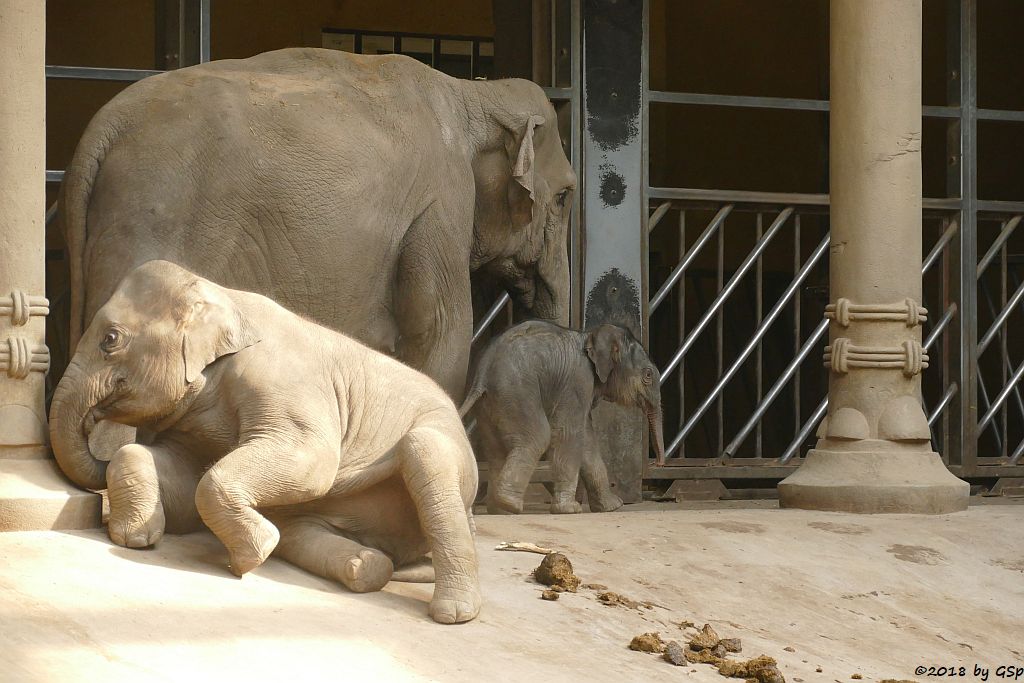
<point>524,193</point>
<point>626,376</point>
<point>141,359</point>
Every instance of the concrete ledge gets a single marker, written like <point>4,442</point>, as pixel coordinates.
<point>874,482</point>
<point>35,496</point>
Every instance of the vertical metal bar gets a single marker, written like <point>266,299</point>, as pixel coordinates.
<point>948,381</point>
<point>681,376</point>
<point>204,31</point>
<point>1002,344</point>
<point>961,141</point>
<point>553,42</point>
<point>720,335</point>
<point>758,314</point>
<point>797,342</point>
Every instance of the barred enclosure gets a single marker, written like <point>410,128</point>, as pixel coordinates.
<point>731,276</point>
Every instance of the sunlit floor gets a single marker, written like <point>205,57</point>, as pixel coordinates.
<point>875,596</point>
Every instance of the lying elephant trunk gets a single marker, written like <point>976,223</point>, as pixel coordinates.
<point>73,415</point>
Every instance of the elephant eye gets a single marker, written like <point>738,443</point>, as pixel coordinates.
<point>562,197</point>
<point>111,340</point>
<point>648,376</point>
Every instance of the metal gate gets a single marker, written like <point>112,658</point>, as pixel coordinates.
<point>739,342</point>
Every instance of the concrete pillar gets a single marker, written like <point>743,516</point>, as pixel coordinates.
<point>874,452</point>
<point>33,494</point>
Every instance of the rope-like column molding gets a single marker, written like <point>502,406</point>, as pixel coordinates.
<point>907,311</point>
<point>17,359</point>
<point>842,355</point>
<point>21,306</point>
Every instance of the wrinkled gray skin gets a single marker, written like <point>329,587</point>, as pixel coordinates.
<point>359,191</point>
<point>280,435</point>
<point>533,393</point>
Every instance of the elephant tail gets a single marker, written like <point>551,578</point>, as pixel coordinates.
<point>73,209</point>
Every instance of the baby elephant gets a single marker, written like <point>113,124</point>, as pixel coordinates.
<point>534,391</point>
<point>281,435</point>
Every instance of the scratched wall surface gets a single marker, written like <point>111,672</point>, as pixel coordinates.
<point>613,207</point>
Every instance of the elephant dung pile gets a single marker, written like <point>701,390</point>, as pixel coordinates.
<point>647,642</point>
<point>555,571</point>
<point>708,648</point>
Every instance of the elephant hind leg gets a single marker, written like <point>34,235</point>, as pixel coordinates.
<point>321,550</point>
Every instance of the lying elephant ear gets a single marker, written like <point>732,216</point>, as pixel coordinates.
<point>213,327</point>
<point>521,156</point>
<point>604,348</point>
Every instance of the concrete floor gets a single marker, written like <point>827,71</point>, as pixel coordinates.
<point>875,596</point>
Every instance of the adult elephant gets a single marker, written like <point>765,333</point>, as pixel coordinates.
<point>358,191</point>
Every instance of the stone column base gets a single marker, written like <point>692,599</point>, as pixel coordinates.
<point>874,481</point>
<point>35,496</point>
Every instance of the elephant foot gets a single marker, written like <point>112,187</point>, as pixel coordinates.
<point>566,507</point>
<point>136,513</point>
<point>368,571</point>
<point>505,502</point>
<point>605,502</point>
<point>256,550</point>
<point>454,605</point>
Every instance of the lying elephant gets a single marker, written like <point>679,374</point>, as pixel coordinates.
<point>361,462</point>
<point>533,393</point>
<point>359,191</point>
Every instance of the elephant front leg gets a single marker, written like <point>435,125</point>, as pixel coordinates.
<point>150,489</point>
<point>439,486</point>
<point>260,473</point>
<point>432,302</point>
<point>595,476</point>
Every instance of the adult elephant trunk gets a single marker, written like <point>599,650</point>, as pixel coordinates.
<point>71,420</point>
<point>551,300</point>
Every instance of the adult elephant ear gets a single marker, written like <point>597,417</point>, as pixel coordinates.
<point>521,155</point>
<point>604,348</point>
<point>212,327</point>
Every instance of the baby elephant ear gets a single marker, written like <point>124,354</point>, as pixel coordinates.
<point>213,327</point>
<point>604,348</point>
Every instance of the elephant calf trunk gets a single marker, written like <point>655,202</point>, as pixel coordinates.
<point>71,421</point>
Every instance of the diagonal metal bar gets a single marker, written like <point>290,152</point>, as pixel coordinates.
<point>776,389</point>
<point>758,249</point>
<point>491,315</point>
<point>1017,452</point>
<point>1004,235</point>
<point>751,346</point>
<point>940,326</point>
<point>809,426</point>
<point>658,214</point>
<point>695,250</point>
<point>943,403</point>
<point>939,247</point>
<point>993,329</point>
<point>1001,398</point>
